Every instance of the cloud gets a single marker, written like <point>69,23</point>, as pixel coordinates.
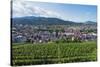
<point>22,8</point>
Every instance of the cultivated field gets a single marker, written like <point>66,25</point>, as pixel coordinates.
<point>53,52</point>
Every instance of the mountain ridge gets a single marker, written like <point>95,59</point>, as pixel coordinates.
<point>43,20</point>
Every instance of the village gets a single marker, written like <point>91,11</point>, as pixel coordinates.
<point>48,33</point>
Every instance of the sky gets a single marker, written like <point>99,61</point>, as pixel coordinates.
<point>71,12</point>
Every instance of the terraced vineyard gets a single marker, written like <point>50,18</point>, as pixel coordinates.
<point>51,53</point>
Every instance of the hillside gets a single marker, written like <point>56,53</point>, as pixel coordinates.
<point>41,20</point>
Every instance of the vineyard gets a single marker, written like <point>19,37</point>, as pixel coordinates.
<point>51,53</point>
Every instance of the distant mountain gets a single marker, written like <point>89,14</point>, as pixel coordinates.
<point>90,22</point>
<point>41,20</point>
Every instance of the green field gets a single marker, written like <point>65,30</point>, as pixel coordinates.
<point>51,53</point>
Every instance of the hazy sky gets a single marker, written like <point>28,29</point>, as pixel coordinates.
<point>72,12</point>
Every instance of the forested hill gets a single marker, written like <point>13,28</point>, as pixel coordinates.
<point>41,20</point>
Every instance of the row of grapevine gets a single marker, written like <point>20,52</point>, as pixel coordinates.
<point>49,53</point>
